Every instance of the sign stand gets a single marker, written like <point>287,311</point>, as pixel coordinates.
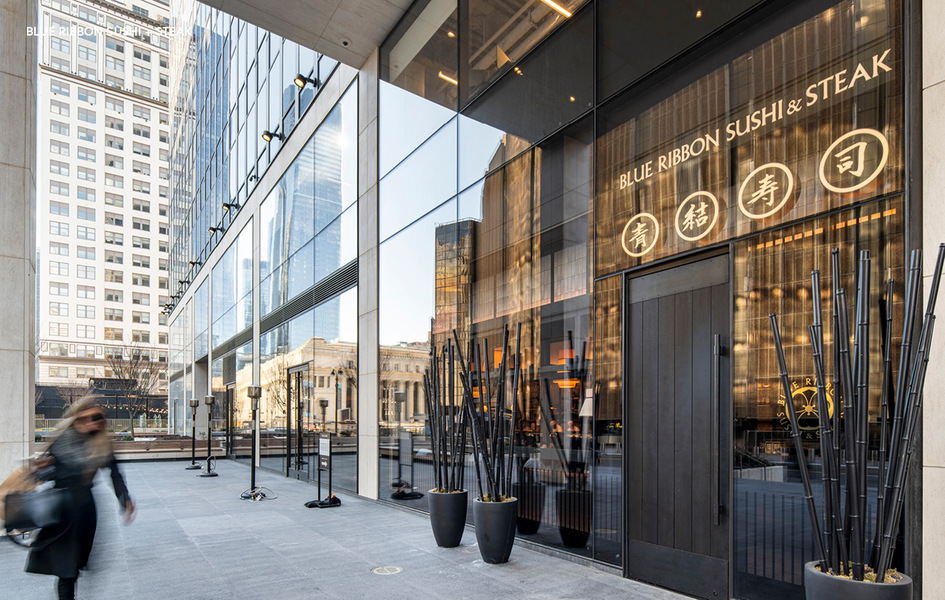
<point>405,489</point>
<point>324,464</point>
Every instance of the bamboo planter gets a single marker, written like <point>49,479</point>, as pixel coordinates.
<point>495,529</point>
<point>531,506</point>
<point>821,586</point>
<point>574,517</point>
<point>843,545</point>
<point>448,517</point>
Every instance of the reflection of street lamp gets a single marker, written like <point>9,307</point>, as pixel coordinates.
<point>209,472</point>
<point>323,402</point>
<point>194,403</point>
<point>337,375</point>
<point>400,397</point>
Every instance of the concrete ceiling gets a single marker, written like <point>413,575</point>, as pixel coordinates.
<point>346,30</point>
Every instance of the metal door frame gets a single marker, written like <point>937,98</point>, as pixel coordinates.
<point>295,436</point>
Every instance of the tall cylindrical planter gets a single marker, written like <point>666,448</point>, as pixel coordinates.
<point>821,586</point>
<point>448,517</point>
<point>574,509</point>
<point>531,506</point>
<point>495,529</point>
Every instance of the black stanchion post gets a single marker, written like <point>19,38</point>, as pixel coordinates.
<point>254,493</point>
<point>209,471</point>
<point>194,403</point>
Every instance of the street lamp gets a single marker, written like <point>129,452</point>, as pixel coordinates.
<point>337,373</point>
<point>209,471</point>
<point>253,494</point>
<point>194,403</point>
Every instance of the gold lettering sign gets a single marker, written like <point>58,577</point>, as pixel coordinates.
<point>757,143</point>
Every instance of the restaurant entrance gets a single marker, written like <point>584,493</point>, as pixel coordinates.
<point>678,438</point>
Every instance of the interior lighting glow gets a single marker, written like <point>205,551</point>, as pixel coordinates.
<point>557,7</point>
<point>447,78</point>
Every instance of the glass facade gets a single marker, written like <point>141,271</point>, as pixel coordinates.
<point>291,251</point>
<point>233,81</point>
<point>529,176</point>
<point>639,205</point>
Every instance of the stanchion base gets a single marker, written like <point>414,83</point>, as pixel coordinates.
<point>329,502</point>
<point>193,467</point>
<point>254,495</point>
<point>207,474</point>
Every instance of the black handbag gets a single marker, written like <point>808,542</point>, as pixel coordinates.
<point>34,509</point>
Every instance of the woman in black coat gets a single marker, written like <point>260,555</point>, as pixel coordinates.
<point>80,449</point>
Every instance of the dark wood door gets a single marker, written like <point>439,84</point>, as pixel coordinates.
<point>677,434</point>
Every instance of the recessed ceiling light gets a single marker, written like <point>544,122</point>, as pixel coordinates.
<point>698,14</point>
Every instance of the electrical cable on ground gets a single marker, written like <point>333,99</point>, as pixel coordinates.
<point>258,494</point>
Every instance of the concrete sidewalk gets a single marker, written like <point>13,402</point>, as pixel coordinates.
<point>195,539</point>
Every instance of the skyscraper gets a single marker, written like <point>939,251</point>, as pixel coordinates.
<point>102,183</point>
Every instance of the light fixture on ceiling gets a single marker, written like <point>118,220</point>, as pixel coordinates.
<point>698,14</point>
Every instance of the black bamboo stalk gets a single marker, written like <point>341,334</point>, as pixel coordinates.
<point>451,422</point>
<point>905,356</point>
<point>886,322</point>
<point>897,499</point>
<point>798,444</point>
<point>465,379</point>
<point>444,393</point>
<point>823,417</point>
<point>516,365</point>
<point>847,381</point>
<point>910,418</point>
<point>862,393</point>
<point>545,401</point>
<point>428,398</point>
<point>832,524</point>
<point>842,539</point>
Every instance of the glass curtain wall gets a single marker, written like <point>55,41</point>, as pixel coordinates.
<point>234,81</point>
<point>232,287</point>
<point>481,229</point>
<point>308,364</point>
<point>308,222</point>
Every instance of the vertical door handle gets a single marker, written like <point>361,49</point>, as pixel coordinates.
<point>715,483</point>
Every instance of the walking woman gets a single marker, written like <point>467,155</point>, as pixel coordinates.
<point>81,448</point>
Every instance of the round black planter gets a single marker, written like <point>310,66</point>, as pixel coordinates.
<point>574,517</point>
<point>820,586</point>
<point>531,505</point>
<point>495,529</point>
<point>448,517</point>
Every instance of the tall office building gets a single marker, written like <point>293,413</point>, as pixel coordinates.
<point>102,202</point>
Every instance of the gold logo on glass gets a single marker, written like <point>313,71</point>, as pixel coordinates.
<point>804,395</point>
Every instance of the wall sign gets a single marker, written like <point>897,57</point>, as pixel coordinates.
<point>784,132</point>
<point>697,216</point>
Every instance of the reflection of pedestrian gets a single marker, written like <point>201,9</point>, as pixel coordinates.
<point>79,450</point>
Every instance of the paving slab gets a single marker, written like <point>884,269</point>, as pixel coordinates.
<point>195,539</point>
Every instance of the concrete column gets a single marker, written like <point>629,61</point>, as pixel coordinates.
<point>17,230</point>
<point>368,372</point>
<point>933,219</point>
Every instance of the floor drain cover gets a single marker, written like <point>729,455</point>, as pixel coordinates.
<point>386,570</point>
